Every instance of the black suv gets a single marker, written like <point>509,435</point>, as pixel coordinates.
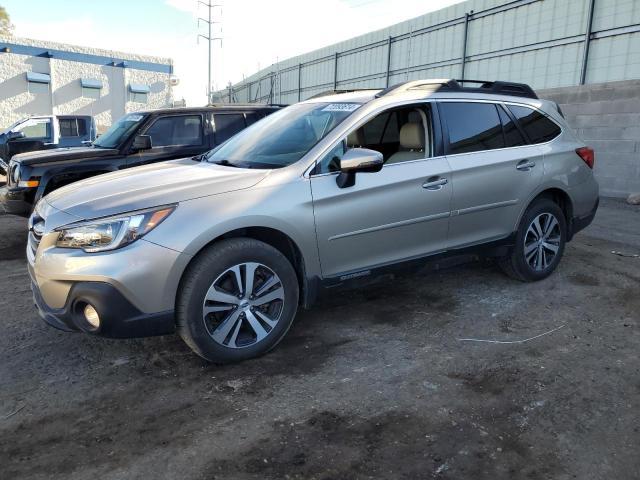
<point>136,139</point>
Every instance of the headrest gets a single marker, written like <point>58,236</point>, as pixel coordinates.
<point>412,136</point>
<point>355,138</point>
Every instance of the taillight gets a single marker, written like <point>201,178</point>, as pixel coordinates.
<point>587,154</point>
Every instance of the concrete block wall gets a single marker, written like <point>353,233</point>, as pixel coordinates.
<point>64,95</point>
<point>607,117</point>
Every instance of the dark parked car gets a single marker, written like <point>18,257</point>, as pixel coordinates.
<point>46,132</point>
<point>136,139</point>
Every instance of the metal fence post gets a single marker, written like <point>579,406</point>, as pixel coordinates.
<point>299,81</point>
<point>335,71</point>
<point>587,42</point>
<point>388,61</point>
<point>464,43</point>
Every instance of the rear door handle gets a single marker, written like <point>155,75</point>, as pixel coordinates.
<point>435,183</point>
<point>525,165</point>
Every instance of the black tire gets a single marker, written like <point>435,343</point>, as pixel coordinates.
<point>208,266</point>
<point>515,264</point>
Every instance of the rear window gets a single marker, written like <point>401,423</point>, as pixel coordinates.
<point>537,127</point>
<point>72,127</point>
<point>472,126</point>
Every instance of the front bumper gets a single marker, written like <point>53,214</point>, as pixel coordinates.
<point>118,317</point>
<point>16,202</point>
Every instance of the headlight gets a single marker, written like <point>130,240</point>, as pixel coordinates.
<point>15,174</point>
<point>112,232</point>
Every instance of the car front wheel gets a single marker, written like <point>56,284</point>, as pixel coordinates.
<point>237,300</point>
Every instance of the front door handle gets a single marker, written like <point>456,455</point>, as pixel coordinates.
<point>435,183</point>
<point>525,165</point>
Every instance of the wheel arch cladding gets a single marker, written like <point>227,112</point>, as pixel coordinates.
<point>276,239</point>
<point>560,198</point>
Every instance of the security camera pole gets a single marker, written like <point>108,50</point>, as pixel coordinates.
<point>210,39</point>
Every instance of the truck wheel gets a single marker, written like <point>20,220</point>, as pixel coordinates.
<point>540,242</point>
<point>237,300</point>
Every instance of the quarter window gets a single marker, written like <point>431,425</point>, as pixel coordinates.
<point>227,125</point>
<point>472,126</point>
<point>537,127</point>
<point>176,130</point>
<point>512,136</point>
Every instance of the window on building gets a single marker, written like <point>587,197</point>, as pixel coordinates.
<point>176,130</point>
<point>92,93</point>
<point>538,128</point>
<point>139,97</point>
<point>91,87</point>
<point>472,127</point>
<point>227,125</point>
<point>38,82</point>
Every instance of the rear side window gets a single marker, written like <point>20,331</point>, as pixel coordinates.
<point>512,136</point>
<point>538,128</point>
<point>227,125</point>
<point>472,126</point>
<point>72,127</point>
<point>253,117</point>
<point>176,130</point>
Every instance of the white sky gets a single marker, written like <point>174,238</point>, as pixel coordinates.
<point>255,33</point>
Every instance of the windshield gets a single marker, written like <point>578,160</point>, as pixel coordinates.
<point>282,138</point>
<point>11,127</point>
<point>119,131</point>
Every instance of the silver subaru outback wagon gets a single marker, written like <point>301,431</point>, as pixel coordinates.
<point>225,247</point>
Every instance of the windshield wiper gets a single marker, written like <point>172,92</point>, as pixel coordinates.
<point>227,163</point>
<point>200,157</point>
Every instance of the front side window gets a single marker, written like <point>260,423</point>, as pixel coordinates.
<point>176,130</point>
<point>227,125</point>
<point>35,129</point>
<point>472,127</point>
<point>283,137</point>
<point>400,134</point>
<point>119,131</point>
<point>538,128</point>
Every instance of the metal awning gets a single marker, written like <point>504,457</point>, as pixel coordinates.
<point>38,77</point>
<point>91,83</point>
<point>139,88</point>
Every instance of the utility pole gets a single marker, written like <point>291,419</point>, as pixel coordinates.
<point>210,22</point>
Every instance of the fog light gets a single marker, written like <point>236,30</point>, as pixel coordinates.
<point>91,316</point>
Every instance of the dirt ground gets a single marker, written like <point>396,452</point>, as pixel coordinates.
<point>369,384</point>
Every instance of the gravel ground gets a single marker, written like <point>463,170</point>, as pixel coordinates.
<point>369,384</point>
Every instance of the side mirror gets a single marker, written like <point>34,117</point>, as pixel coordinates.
<point>16,135</point>
<point>141,142</point>
<point>358,160</point>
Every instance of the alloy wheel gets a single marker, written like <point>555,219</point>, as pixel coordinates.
<point>243,305</point>
<point>542,241</point>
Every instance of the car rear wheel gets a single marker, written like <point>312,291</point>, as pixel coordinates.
<point>540,242</point>
<point>237,301</point>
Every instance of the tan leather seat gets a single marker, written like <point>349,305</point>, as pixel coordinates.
<point>412,143</point>
<point>355,139</point>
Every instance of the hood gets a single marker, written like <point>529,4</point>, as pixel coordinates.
<point>149,186</point>
<point>62,155</point>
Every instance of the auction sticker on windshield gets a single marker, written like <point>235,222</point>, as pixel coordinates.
<point>341,107</point>
<point>134,118</point>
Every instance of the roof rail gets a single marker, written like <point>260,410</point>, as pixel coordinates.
<point>499,87</point>
<point>336,92</point>
<point>484,86</point>
<point>404,86</point>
